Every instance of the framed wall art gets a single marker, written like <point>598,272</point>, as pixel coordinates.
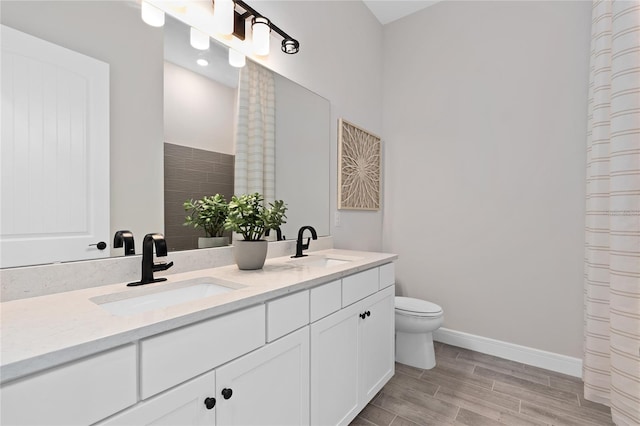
<point>359,164</point>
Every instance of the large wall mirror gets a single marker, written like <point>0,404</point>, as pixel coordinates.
<point>143,133</point>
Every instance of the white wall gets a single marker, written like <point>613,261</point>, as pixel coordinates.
<point>113,32</point>
<point>485,116</point>
<point>198,112</point>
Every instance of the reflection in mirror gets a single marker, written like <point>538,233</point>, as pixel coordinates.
<point>134,54</point>
<point>200,129</point>
<point>199,121</point>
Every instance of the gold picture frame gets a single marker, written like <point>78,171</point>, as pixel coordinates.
<point>359,165</point>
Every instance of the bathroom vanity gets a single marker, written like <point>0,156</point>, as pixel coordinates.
<point>302,341</point>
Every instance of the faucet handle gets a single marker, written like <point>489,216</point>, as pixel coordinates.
<point>161,266</point>
<point>306,246</point>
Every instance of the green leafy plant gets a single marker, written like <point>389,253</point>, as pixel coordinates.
<point>208,213</point>
<point>249,217</point>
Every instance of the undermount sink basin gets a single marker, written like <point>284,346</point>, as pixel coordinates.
<point>324,261</point>
<point>123,304</point>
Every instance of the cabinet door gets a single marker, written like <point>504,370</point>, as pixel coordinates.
<point>377,343</point>
<point>334,368</point>
<point>184,405</point>
<point>269,386</point>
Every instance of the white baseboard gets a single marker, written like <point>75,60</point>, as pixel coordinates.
<point>536,357</point>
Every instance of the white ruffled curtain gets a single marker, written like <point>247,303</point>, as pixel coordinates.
<point>255,132</point>
<point>611,368</point>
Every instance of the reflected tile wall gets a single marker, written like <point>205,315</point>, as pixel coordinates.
<point>191,173</point>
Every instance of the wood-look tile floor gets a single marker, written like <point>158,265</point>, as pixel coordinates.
<point>474,389</point>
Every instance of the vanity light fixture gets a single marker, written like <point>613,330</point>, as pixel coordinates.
<point>261,33</point>
<point>290,46</point>
<point>198,39</point>
<point>223,11</point>
<point>151,15</point>
<point>261,28</point>
<point>236,59</point>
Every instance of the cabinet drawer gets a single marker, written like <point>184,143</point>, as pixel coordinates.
<point>325,299</point>
<point>176,356</point>
<point>81,392</point>
<point>387,275</point>
<point>287,314</point>
<point>358,286</point>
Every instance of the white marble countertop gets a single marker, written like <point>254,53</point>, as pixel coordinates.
<point>42,332</point>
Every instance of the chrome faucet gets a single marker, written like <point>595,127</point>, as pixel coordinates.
<point>148,266</point>
<point>300,246</point>
<point>126,238</point>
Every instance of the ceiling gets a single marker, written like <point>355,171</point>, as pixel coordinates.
<point>389,10</point>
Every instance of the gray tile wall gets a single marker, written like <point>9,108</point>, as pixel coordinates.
<point>191,173</point>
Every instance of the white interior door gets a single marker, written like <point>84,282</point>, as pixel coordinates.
<point>54,152</point>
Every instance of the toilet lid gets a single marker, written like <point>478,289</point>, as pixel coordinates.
<point>417,307</point>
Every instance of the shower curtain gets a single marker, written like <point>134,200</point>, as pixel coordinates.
<point>611,365</point>
<point>255,132</point>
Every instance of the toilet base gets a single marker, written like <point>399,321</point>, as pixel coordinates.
<point>416,350</point>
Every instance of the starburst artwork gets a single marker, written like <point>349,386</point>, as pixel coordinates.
<point>359,174</point>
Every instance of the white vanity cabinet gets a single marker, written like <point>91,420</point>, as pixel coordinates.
<point>314,356</point>
<point>352,350</point>
<point>269,386</point>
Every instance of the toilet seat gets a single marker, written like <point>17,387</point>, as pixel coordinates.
<point>416,307</point>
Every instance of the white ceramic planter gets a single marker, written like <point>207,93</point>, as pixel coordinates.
<point>208,242</point>
<point>250,255</point>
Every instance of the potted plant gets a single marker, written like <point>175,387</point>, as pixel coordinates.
<point>249,217</point>
<point>208,213</point>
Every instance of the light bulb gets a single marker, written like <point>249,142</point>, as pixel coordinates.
<point>151,15</point>
<point>223,16</point>
<point>199,40</point>
<point>202,62</point>
<point>237,59</point>
<point>261,34</point>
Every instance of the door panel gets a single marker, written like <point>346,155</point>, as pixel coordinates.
<point>334,368</point>
<point>269,386</point>
<point>180,406</point>
<point>377,343</point>
<point>55,152</point>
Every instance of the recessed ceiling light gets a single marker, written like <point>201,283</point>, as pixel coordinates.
<point>202,62</point>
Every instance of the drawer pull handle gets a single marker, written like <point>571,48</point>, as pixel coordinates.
<point>365,314</point>
<point>226,393</point>
<point>210,403</point>
<point>101,245</point>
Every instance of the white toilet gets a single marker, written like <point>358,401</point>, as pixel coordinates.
<point>416,320</point>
